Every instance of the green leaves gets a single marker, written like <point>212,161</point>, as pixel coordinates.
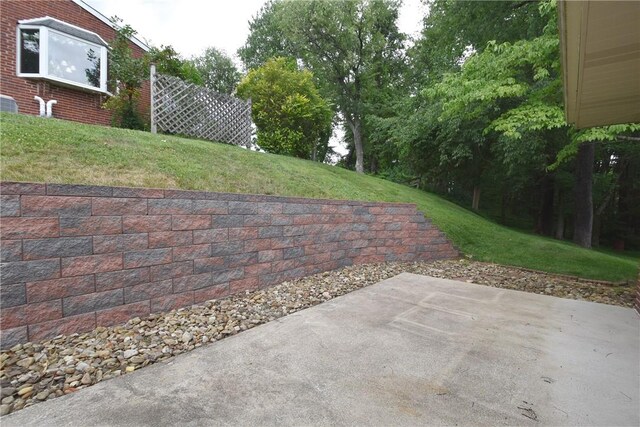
<point>291,116</point>
<point>266,39</point>
<point>353,48</point>
<point>169,62</point>
<point>125,71</point>
<point>606,133</point>
<point>126,75</point>
<point>603,133</point>
<point>217,70</point>
<point>506,71</point>
<point>528,117</point>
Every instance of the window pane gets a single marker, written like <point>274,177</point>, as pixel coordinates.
<point>74,60</point>
<point>30,51</point>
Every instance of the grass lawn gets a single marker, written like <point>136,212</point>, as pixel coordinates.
<point>50,150</point>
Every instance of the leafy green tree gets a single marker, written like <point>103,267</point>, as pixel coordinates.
<point>291,116</point>
<point>451,156</point>
<point>126,75</point>
<point>169,62</point>
<point>217,70</point>
<point>517,87</point>
<point>266,40</point>
<point>455,28</point>
<point>344,47</point>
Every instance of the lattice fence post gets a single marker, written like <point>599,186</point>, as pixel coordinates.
<point>152,77</point>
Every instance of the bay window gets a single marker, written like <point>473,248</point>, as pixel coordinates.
<point>51,49</point>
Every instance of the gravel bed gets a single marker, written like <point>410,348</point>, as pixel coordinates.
<point>34,372</point>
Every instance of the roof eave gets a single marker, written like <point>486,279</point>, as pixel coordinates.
<point>38,21</point>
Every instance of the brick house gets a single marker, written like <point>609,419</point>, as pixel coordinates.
<point>57,50</point>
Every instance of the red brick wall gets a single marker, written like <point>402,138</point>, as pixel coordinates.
<point>79,256</point>
<point>73,104</point>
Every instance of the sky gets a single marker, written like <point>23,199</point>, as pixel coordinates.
<point>190,26</point>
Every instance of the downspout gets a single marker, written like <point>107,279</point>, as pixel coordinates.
<point>42,106</point>
<point>50,104</point>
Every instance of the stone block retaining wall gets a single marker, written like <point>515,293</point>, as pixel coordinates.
<point>638,294</point>
<point>75,257</point>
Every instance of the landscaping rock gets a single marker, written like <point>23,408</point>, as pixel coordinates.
<point>186,337</point>
<point>86,379</point>
<point>129,353</point>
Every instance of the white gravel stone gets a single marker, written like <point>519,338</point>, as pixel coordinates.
<point>129,353</point>
<point>82,366</point>
<point>186,337</point>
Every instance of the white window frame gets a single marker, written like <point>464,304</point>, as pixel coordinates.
<point>43,67</point>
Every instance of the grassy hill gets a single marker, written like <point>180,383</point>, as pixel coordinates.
<point>50,150</point>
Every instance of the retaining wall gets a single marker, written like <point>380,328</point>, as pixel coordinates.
<point>75,257</point>
<point>637,302</point>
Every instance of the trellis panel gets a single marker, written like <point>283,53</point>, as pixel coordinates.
<point>186,109</point>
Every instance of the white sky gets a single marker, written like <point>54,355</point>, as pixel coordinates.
<point>190,26</point>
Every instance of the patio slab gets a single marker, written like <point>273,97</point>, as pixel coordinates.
<point>411,350</point>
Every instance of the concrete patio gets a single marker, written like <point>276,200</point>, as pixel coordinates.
<point>411,350</point>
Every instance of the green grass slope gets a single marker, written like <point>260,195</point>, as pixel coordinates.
<point>49,150</point>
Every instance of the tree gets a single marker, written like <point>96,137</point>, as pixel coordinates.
<point>454,156</point>
<point>517,86</point>
<point>126,75</point>
<point>583,147</point>
<point>341,45</point>
<point>291,116</point>
<point>217,70</point>
<point>169,62</point>
<point>266,39</point>
<point>455,28</point>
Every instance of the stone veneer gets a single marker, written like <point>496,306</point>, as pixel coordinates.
<point>75,257</point>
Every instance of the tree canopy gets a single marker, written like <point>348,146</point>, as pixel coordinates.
<point>126,75</point>
<point>515,90</point>
<point>290,115</point>
<point>347,48</point>
<point>217,70</point>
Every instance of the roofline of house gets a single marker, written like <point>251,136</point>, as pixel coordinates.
<point>35,20</point>
<point>107,21</point>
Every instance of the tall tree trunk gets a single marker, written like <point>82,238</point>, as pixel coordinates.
<point>356,129</point>
<point>583,195</point>
<point>357,142</point>
<point>475,203</point>
<point>599,211</point>
<point>373,165</point>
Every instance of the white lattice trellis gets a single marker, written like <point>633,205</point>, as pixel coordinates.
<point>183,108</point>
